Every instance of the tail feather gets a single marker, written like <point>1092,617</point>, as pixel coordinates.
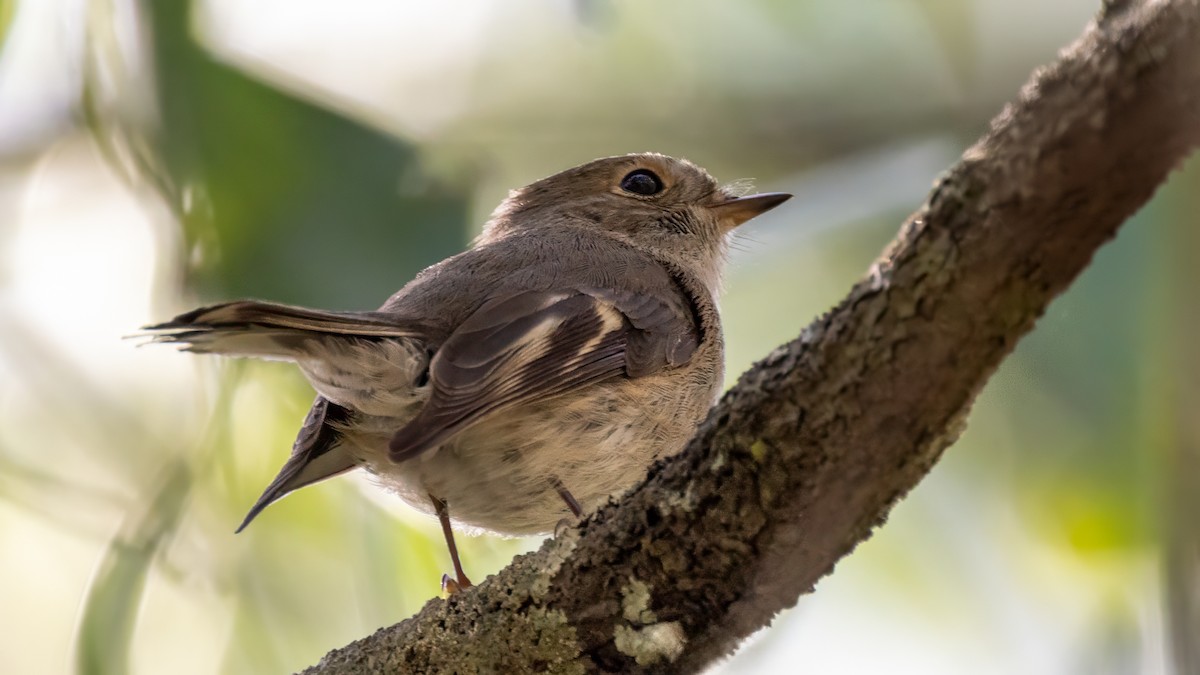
<point>249,341</point>
<point>271,331</point>
<point>316,455</point>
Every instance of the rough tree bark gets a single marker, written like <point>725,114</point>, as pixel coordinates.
<point>816,443</point>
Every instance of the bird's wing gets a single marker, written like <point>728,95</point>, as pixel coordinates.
<point>532,345</point>
<point>316,455</point>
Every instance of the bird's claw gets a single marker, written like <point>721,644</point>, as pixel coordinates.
<point>454,587</point>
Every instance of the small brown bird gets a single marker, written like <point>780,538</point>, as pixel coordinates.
<point>532,376</point>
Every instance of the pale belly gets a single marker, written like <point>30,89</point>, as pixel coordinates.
<point>499,475</point>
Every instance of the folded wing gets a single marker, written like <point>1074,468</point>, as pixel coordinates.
<point>533,345</point>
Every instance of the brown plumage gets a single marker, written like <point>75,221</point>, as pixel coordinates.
<point>537,373</point>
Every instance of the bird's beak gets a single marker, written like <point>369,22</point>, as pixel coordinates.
<point>736,211</point>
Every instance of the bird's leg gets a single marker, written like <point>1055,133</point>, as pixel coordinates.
<point>450,586</point>
<point>567,497</point>
<point>572,504</point>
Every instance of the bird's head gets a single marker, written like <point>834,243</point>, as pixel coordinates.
<point>668,207</point>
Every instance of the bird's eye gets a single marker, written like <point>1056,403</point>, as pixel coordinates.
<point>642,182</point>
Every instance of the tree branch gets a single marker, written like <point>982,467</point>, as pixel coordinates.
<point>819,440</point>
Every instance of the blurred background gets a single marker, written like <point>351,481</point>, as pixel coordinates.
<point>157,155</point>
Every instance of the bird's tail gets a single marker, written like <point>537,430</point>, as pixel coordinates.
<point>271,331</point>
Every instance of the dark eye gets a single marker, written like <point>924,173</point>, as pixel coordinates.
<point>642,182</point>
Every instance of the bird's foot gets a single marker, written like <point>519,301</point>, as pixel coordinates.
<point>453,587</point>
<point>566,524</point>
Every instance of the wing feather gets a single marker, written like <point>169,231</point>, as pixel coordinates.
<point>533,345</point>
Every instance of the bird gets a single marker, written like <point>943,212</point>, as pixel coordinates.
<point>528,379</point>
